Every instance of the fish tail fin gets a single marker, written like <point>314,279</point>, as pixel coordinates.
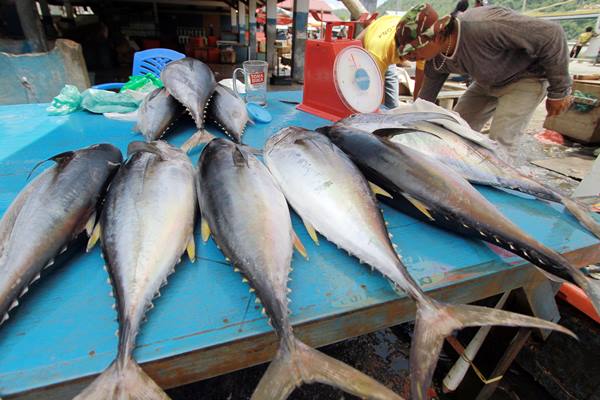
<point>124,380</point>
<point>580,212</point>
<point>435,321</point>
<point>297,364</point>
<point>201,136</point>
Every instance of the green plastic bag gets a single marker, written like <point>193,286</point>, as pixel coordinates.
<point>142,83</point>
<point>67,101</point>
<point>103,101</point>
<point>584,97</point>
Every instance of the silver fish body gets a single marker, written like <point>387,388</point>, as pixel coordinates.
<point>331,195</point>
<point>48,213</point>
<point>249,219</point>
<point>229,112</point>
<point>157,113</point>
<point>192,83</point>
<point>146,225</point>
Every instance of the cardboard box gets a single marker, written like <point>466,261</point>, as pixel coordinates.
<point>581,127</point>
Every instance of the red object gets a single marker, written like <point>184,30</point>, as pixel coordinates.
<point>326,16</point>
<point>150,44</point>
<point>212,41</point>
<point>550,137</point>
<point>578,299</point>
<point>320,96</point>
<point>214,55</point>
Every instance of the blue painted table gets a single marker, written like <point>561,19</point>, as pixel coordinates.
<point>206,322</point>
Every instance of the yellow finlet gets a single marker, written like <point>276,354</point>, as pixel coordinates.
<point>420,206</point>
<point>299,246</point>
<point>311,231</point>
<point>94,238</point>
<point>205,230</point>
<point>191,248</point>
<point>378,190</point>
<point>89,226</point>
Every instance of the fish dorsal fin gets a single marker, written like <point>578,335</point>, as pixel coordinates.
<point>311,231</point>
<point>191,248</point>
<point>201,136</point>
<point>61,160</point>
<point>253,150</point>
<point>419,205</point>
<point>380,191</point>
<point>143,147</point>
<point>205,230</point>
<point>94,237</point>
<point>299,246</point>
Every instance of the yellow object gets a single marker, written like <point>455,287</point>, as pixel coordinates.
<point>421,65</point>
<point>204,230</point>
<point>191,249</point>
<point>378,190</point>
<point>379,41</point>
<point>585,37</point>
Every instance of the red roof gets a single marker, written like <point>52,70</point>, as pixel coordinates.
<point>326,17</point>
<point>316,5</point>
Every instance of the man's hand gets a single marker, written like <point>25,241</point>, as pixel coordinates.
<point>557,106</point>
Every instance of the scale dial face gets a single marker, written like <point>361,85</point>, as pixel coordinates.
<point>357,80</point>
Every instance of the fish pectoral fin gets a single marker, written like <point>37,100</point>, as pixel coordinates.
<point>419,205</point>
<point>311,231</point>
<point>94,237</point>
<point>379,190</point>
<point>201,136</point>
<point>299,246</point>
<point>205,230</point>
<point>89,226</point>
<point>191,248</point>
<point>61,160</point>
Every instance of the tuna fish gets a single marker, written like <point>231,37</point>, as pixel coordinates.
<point>466,151</point>
<point>249,218</point>
<point>146,225</point>
<point>156,114</point>
<point>429,190</point>
<point>316,178</point>
<point>229,112</point>
<point>482,166</point>
<point>48,213</point>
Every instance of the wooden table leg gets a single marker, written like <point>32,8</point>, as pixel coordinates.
<point>513,349</point>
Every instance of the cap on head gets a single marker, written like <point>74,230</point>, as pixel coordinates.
<point>418,27</point>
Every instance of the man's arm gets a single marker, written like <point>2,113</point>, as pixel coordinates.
<point>432,83</point>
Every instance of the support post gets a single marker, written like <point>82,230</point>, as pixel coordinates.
<point>31,25</point>
<point>252,28</point>
<point>234,19</point>
<point>242,22</point>
<point>69,10</point>
<point>271,30</point>
<point>47,19</point>
<point>299,39</point>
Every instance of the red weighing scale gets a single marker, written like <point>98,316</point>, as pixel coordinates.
<point>340,77</point>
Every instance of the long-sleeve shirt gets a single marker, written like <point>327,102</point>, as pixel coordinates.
<point>497,46</point>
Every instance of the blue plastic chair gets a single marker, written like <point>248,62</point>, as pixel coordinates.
<point>147,61</point>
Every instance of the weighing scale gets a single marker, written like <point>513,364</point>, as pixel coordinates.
<point>340,77</point>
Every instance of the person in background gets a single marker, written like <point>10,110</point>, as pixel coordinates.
<point>378,39</point>
<point>515,61</point>
<point>582,40</point>
<point>460,8</point>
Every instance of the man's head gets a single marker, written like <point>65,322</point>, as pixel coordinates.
<point>420,32</point>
